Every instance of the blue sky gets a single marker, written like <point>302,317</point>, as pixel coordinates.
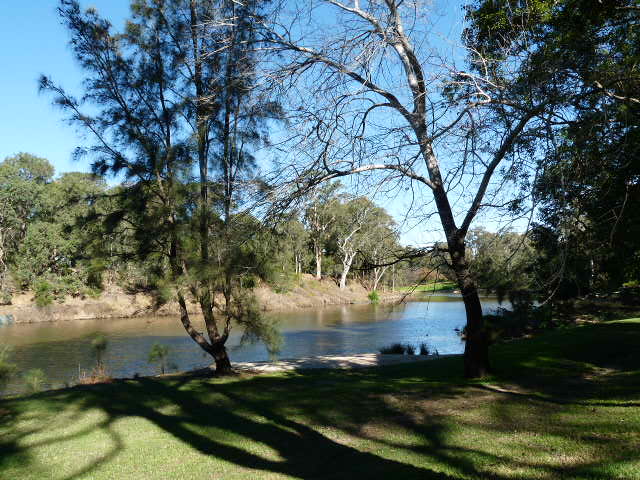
<point>33,42</point>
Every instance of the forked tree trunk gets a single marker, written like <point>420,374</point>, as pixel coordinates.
<point>223,364</point>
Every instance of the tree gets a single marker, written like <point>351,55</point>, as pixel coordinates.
<point>381,248</point>
<point>380,101</point>
<point>502,262</point>
<point>586,56</point>
<point>52,249</point>
<point>359,222</point>
<point>23,178</point>
<point>171,97</point>
<point>319,217</point>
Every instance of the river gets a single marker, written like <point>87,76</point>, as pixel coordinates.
<point>62,349</point>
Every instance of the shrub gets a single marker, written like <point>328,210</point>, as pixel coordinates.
<point>523,319</point>
<point>374,297</point>
<point>34,379</point>
<point>159,354</point>
<point>395,348</point>
<point>43,292</point>
<point>398,349</point>
<point>99,374</point>
<point>5,297</point>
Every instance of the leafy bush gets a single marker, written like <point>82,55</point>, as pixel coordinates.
<point>34,379</point>
<point>99,374</point>
<point>5,297</point>
<point>43,293</point>
<point>159,354</point>
<point>395,348</point>
<point>523,319</point>
<point>374,297</point>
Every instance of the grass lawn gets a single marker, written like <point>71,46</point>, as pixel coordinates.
<point>430,287</point>
<point>565,405</point>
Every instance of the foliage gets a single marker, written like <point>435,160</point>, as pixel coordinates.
<point>186,151</point>
<point>34,379</point>
<point>398,349</point>
<point>502,262</point>
<point>7,369</point>
<point>373,296</point>
<point>43,293</point>
<point>583,56</point>
<point>159,354</point>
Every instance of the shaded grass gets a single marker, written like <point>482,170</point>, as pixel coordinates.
<point>563,405</point>
<point>430,287</point>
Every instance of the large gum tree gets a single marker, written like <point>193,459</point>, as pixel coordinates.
<point>375,92</point>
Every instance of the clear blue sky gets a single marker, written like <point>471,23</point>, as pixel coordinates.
<point>33,42</point>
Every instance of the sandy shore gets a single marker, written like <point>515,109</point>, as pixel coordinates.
<point>363,360</point>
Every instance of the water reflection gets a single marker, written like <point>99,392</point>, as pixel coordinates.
<point>62,349</point>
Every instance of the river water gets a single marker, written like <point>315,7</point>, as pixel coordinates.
<point>63,349</point>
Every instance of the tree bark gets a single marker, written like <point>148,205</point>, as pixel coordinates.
<point>476,350</point>
<point>318,253</point>
<point>223,364</point>
<point>346,266</point>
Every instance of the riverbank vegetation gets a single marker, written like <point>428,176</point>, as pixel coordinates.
<point>563,405</point>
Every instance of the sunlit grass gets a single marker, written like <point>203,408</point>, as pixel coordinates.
<point>430,287</point>
<point>563,405</point>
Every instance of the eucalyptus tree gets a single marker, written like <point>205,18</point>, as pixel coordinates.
<point>384,99</point>
<point>359,223</point>
<point>381,247</point>
<point>167,105</point>
<point>320,217</point>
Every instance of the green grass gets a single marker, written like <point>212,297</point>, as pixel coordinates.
<point>564,405</point>
<point>430,287</point>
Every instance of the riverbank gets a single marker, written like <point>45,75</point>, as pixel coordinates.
<point>115,303</point>
<point>563,405</point>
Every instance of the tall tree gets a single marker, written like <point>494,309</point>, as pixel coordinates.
<point>319,218</point>
<point>585,54</point>
<point>159,92</point>
<point>381,101</point>
<point>23,178</point>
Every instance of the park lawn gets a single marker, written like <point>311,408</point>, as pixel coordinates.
<point>564,405</point>
<point>430,287</point>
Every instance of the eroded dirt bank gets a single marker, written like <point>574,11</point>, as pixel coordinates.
<point>115,303</point>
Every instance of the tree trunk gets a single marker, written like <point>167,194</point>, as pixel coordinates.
<point>223,364</point>
<point>318,253</point>
<point>476,350</point>
<point>346,266</point>
<point>343,279</point>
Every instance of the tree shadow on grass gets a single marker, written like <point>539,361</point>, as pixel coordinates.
<point>303,451</point>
